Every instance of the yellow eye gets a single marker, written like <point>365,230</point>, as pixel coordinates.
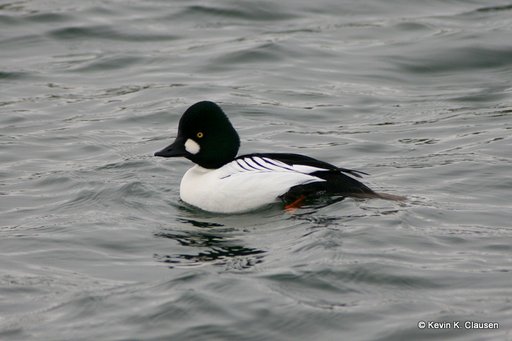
<point>199,135</point>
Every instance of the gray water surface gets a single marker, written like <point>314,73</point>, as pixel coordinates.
<point>96,245</point>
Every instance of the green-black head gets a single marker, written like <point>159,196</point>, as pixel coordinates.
<point>205,137</point>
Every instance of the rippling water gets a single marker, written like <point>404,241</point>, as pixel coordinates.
<point>96,245</point>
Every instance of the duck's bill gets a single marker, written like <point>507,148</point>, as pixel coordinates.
<point>174,150</point>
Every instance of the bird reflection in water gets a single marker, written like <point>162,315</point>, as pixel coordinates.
<point>215,246</point>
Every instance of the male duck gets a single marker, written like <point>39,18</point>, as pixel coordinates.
<point>221,182</point>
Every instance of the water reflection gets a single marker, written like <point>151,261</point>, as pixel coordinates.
<point>209,246</point>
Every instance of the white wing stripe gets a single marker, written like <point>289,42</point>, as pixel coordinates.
<point>251,162</point>
<point>248,166</point>
<point>260,162</point>
<point>265,164</point>
<point>296,168</point>
<point>278,163</point>
<point>307,169</point>
<point>239,163</point>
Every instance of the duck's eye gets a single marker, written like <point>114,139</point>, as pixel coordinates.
<point>200,135</point>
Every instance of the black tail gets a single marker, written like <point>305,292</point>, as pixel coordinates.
<point>336,183</point>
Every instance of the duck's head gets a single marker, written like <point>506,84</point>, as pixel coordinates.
<point>205,137</point>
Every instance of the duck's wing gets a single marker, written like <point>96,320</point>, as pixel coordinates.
<point>331,179</point>
<point>303,160</point>
<point>281,162</point>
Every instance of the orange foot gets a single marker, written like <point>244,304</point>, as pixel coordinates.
<point>296,204</point>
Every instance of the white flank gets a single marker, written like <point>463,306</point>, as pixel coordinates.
<point>242,185</point>
<point>192,147</point>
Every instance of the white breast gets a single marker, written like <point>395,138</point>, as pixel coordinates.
<point>242,185</point>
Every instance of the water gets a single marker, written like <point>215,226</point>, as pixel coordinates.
<point>96,245</point>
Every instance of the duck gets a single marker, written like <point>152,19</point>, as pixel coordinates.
<point>222,182</point>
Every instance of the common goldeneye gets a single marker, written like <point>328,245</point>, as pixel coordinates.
<point>221,182</point>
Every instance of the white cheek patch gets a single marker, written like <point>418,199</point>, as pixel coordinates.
<point>192,147</point>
